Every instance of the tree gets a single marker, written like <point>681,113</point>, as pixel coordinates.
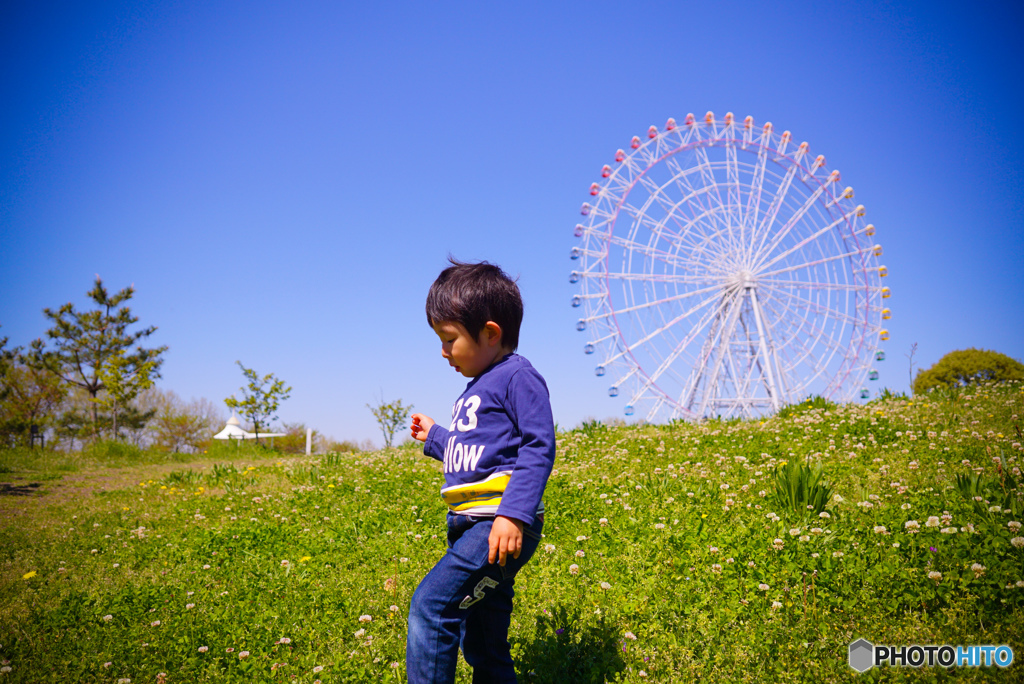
<point>294,440</point>
<point>181,426</point>
<point>87,342</point>
<point>122,382</point>
<point>7,357</point>
<point>966,366</point>
<point>28,396</point>
<point>260,402</point>
<point>390,417</point>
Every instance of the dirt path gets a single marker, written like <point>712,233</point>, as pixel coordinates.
<point>32,493</point>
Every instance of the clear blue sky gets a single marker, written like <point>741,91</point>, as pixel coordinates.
<point>283,181</point>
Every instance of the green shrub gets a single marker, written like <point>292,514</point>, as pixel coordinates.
<point>800,488</point>
<point>967,366</point>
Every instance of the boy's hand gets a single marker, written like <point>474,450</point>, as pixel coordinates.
<point>506,539</point>
<point>421,425</point>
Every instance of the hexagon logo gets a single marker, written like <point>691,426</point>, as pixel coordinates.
<point>861,655</point>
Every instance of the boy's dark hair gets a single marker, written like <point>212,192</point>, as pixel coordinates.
<point>471,295</point>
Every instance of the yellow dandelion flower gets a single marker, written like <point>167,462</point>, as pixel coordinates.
<point>29,575</point>
<point>305,558</point>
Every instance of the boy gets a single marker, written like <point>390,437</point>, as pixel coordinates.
<point>497,455</point>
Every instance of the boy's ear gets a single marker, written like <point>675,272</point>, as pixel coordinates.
<point>492,331</point>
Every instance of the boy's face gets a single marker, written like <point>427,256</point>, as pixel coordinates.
<point>468,356</point>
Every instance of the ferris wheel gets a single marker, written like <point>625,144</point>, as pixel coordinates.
<point>722,269</point>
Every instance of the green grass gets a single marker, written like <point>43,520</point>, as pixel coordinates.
<point>674,532</point>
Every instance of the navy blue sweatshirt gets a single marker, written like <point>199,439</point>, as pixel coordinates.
<point>500,447</point>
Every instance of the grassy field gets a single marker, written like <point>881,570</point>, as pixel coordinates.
<point>668,556</point>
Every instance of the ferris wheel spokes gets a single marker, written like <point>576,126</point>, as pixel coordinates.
<point>793,220</point>
<point>811,238</point>
<point>681,346</point>
<point>658,331</point>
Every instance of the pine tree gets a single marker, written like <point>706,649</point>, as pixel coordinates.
<point>85,344</point>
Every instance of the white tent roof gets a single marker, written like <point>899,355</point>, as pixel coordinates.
<point>233,430</point>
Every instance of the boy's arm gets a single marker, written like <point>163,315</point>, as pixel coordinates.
<point>431,434</point>
<point>530,407</point>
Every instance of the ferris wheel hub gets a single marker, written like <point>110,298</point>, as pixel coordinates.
<point>741,280</point>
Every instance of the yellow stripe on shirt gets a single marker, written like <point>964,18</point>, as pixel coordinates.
<point>473,495</point>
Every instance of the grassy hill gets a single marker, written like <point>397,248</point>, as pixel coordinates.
<point>674,553</point>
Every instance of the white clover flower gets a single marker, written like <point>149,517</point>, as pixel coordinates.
<point>713,549</point>
<point>912,525</point>
<point>978,569</point>
<point>318,668</point>
<point>837,554</point>
<point>763,587</point>
<point>933,575</point>
<point>580,553</point>
<point>825,515</point>
<point>778,544</point>
<point>776,605</point>
<point>605,586</point>
<point>1018,542</point>
<point>359,633</point>
<point>366,618</point>
<point>204,649</point>
<point>805,537</point>
<point>816,530</point>
<point>880,529</point>
<point>108,618</point>
<point>948,530</point>
<point>933,521</point>
<point>574,569</point>
<point>795,532</point>
<point>630,635</point>
<point>1013,525</point>
<point>716,568</point>
<point>549,548</point>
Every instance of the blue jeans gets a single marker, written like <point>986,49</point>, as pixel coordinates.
<point>466,602</point>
